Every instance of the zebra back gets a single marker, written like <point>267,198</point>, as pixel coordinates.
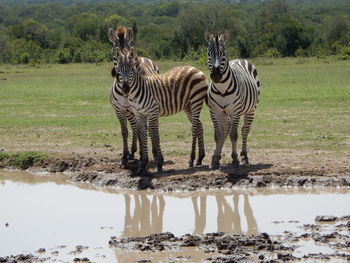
<point>248,67</point>
<point>176,89</point>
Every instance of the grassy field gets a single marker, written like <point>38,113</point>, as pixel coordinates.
<point>304,105</point>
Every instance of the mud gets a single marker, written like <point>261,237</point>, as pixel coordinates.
<point>29,258</point>
<point>294,170</point>
<point>226,247</point>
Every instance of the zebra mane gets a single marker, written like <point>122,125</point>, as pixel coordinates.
<point>120,31</point>
<point>121,34</point>
<point>216,37</point>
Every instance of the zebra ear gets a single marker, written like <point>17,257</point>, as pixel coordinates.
<point>223,37</point>
<point>209,37</point>
<point>130,35</point>
<point>132,54</point>
<point>112,36</point>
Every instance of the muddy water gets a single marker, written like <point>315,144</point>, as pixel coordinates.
<point>42,211</point>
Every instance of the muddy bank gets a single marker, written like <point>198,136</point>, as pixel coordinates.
<point>226,247</point>
<point>106,171</point>
<point>28,258</point>
<point>222,247</point>
<point>328,233</point>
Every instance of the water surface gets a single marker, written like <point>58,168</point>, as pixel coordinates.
<point>42,211</point>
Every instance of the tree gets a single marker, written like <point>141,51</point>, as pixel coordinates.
<point>30,30</point>
<point>86,26</point>
<point>335,29</point>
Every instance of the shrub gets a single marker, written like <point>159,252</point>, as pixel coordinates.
<point>272,53</point>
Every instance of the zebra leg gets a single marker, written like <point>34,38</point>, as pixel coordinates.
<point>234,137</point>
<point>248,119</point>
<point>197,133</point>
<point>201,153</point>
<point>194,138</point>
<point>124,129</point>
<point>154,130</point>
<point>132,119</point>
<point>220,133</point>
<point>142,134</point>
<point>154,148</point>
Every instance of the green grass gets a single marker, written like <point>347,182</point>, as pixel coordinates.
<point>21,160</point>
<point>304,105</point>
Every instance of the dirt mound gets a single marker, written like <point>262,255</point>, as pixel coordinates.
<point>280,169</point>
<point>226,247</point>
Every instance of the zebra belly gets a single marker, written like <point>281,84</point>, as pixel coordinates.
<point>138,109</point>
<point>225,106</point>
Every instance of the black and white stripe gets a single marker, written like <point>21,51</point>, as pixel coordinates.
<point>154,95</point>
<point>121,38</point>
<point>233,92</point>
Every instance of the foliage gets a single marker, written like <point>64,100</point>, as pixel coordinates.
<point>41,31</point>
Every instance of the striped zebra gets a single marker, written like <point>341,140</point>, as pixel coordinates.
<point>233,92</point>
<point>151,96</point>
<point>121,37</point>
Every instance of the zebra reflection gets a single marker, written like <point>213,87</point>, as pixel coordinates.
<point>228,217</point>
<point>147,217</point>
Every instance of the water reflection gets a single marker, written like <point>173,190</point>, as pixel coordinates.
<point>147,217</point>
<point>200,215</point>
<point>144,213</point>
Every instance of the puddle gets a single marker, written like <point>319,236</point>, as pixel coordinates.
<point>42,211</point>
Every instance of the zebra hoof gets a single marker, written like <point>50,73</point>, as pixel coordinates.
<point>140,172</point>
<point>131,156</point>
<point>199,163</point>
<point>124,161</point>
<point>245,160</point>
<point>159,169</point>
<point>215,162</point>
<point>190,163</point>
<point>244,156</point>
<point>144,183</point>
<point>200,160</point>
<point>215,165</point>
<point>235,164</point>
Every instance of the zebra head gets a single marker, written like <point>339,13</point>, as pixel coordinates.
<point>125,70</point>
<point>121,38</point>
<point>216,54</point>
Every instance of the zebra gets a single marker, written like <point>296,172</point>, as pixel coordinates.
<point>151,96</point>
<point>233,92</point>
<point>121,37</point>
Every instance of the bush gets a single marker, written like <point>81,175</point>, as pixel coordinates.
<point>199,55</point>
<point>24,58</point>
<point>21,51</point>
<point>300,52</point>
<point>49,56</point>
<point>343,53</point>
<point>63,56</point>
<point>93,52</point>
<point>272,53</point>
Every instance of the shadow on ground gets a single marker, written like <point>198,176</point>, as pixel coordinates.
<point>234,175</point>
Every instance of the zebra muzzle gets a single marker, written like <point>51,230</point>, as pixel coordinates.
<point>125,88</point>
<point>215,75</point>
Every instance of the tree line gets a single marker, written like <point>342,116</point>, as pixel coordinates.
<point>43,31</point>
